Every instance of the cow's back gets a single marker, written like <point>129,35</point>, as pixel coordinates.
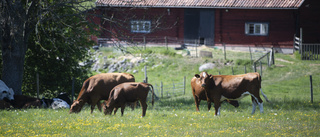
<point>100,85</point>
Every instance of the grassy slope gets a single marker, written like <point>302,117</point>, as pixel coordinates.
<point>286,84</point>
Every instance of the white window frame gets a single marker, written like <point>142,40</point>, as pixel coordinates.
<point>257,28</point>
<point>140,26</point>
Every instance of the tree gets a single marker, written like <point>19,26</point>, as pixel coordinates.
<point>47,26</point>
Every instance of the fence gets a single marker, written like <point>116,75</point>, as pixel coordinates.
<point>308,51</point>
<point>170,90</point>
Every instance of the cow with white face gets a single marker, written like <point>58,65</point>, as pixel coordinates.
<point>5,92</point>
<point>232,87</point>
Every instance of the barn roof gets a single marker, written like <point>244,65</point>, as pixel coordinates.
<point>238,4</point>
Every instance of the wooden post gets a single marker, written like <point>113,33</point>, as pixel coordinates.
<point>232,70</point>
<point>38,85</point>
<point>254,67</point>
<point>196,48</point>
<point>161,89</point>
<point>72,90</point>
<point>174,87</point>
<point>300,43</point>
<point>311,89</point>
<point>260,68</point>
<point>166,41</point>
<point>224,51</point>
<point>145,75</point>
<point>144,42</point>
<point>184,85</point>
<point>245,69</point>
<point>268,60</point>
<point>272,56</point>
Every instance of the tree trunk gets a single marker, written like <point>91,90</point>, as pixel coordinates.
<point>14,47</point>
<point>13,62</point>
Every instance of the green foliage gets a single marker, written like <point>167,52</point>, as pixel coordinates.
<point>55,50</point>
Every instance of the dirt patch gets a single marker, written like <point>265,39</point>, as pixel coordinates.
<point>314,65</point>
<point>283,60</point>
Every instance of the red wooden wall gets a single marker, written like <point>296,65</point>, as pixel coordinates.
<point>230,27</point>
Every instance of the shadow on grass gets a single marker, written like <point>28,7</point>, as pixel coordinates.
<point>277,104</point>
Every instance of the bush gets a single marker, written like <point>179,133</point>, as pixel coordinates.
<point>243,62</point>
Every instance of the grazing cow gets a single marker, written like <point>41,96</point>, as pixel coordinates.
<point>5,92</point>
<point>233,87</point>
<point>128,92</point>
<point>98,88</point>
<point>199,94</point>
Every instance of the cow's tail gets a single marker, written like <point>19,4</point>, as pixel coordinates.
<point>152,93</point>
<point>264,95</point>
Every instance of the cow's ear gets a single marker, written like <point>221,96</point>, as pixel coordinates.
<point>210,76</point>
<point>197,75</point>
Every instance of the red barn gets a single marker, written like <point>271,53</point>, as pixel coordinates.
<point>255,23</point>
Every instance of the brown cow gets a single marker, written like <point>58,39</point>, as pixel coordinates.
<point>199,94</point>
<point>23,101</point>
<point>233,87</point>
<point>98,88</point>
<point>128,92</point>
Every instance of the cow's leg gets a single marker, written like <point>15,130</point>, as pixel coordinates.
<point>261,107</point>
<point>115,110</point>
<point>197,102</point>
<point>99,106</point>
<point>209,105</point>
<point>254,105</point>
<point>92,107</point>
<point>217,105</point>
<point>122,108</point>
<point>144,107</point>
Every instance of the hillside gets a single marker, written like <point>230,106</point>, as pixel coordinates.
<point>287,78</point>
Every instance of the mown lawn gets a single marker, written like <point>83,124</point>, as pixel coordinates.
<point>290,112</point>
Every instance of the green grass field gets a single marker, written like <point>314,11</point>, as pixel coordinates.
<point>286,84</point>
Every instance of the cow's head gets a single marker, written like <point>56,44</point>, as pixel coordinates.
<point>7,94</point>
<point>76,106</point>
<point>107,109</point>
<point>204,78</point>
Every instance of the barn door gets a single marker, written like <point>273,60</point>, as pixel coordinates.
<point>191,25</point>
<point>199,25</point>
<point>206,27</point>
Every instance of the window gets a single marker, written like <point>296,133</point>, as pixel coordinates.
<point>257,29</point>
<point>141,26</point>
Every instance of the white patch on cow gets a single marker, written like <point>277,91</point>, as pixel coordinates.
<point>218,111</point>
<point>242,96</point>
<point>254,105</point>
<point>261,107</point>
<point>204,74</point>
<point>59,103</point>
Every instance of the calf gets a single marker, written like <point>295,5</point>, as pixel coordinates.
<point>128,92</point>
<point>98,88</point>
<point>199,94</point>
<point>233,87</point>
